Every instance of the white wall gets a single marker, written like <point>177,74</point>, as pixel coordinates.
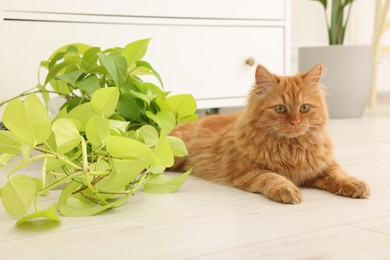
<point>309,29</point>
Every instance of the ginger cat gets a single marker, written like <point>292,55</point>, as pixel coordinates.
<point>278,143</point>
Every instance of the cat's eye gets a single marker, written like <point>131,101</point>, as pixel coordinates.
<point>280,109</point>
<point>304,108</point>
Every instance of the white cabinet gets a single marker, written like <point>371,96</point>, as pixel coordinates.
<point>197,48</point>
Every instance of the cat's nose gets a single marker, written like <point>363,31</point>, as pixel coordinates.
<point>295,123</point>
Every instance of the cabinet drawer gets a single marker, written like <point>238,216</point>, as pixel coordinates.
<point>222,9</point>
<point>206,61</point>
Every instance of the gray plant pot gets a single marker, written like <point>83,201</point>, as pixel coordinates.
<point>347,76</point>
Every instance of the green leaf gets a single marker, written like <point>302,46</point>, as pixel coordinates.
<point>66,134</point>
<point>71,77</point>
<point>125,171</point>
<point>28,120</point>
<point>72,205</point>
<point>82,113</point>
<point>130,107</point>
<point>160,183</point>
<point>105,100</point>
<point>73,47</point>
<point>149,135</point>
<point>76,207</point>
<point>9,143</point>
<point>135,51</point>
<point>147,98</point>
<point>164,152</point>
<point>127,148</point>
<point>89,84</point>
<point>142,65</point>
<point>164,119</point>
<point>53,72</point>
<point>4,158</point>
<point>49,213</point>
<point>184,106</point>
<point>26,150</point>
<point>90,58</point>
<point>116,66</point>
<point>44,94</point>
<point>18,194</point>
<point>118,126</point>
<point>97,130</point>
<point>178,147</point>
<point>324,3</point>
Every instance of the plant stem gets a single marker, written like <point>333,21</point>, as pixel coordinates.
<point>26,93</point>
<point>58,157</point>
<point>131,192</point>
<point>26,162</point>
<point>58,183</point>
<point>44,172</point>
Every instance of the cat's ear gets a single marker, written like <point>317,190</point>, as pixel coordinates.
<point>264,78</point>
<point>313,76</point>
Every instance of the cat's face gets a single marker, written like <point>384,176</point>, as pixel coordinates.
<point>288,106</point>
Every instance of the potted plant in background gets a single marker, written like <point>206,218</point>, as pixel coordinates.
<point>347,69</point>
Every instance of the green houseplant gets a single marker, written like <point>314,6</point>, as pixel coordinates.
<point>109,139</point>
<point>339,16</point>
<point>348,68</point>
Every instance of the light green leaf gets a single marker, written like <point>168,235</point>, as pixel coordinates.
<point>77,207</point>
<point>178,146</point>
<point>184,106</point>
<point>127,148</point>
<point>66,134</point>
<point>49,213</point>
<point>164,119</point>
<point>82,113</point>
<point>160,183</point>
<point>163,151</point>
<point>124,172</point>
<point>72,205</point>
<point>28,120</point>
<point>104,101</point>
<point>26,150</point>
<point>18,194</point>
<point>149,135</point>
<point>73,47</point>
<point>135,51</point>
<point>145,67</point>
<point>97,130</point>
<point>90,58</point>
<point>120,127</point>
<point>147,98</point>
<point>116,66</point>
<point>9,143</point>
<point>4,158</point>
<point>45,95</point>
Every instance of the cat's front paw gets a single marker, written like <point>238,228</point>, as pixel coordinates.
<point>287,194</point>
<point>354,188</point>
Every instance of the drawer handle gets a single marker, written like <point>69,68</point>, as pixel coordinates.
<point>250,61</point>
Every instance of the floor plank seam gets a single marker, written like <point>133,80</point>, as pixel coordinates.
<point>369,229</point>
<point>269,240</point>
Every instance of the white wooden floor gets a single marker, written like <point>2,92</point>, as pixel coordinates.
<point>208,221</point>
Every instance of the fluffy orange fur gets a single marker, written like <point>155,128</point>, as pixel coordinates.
<point>278,143</point>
